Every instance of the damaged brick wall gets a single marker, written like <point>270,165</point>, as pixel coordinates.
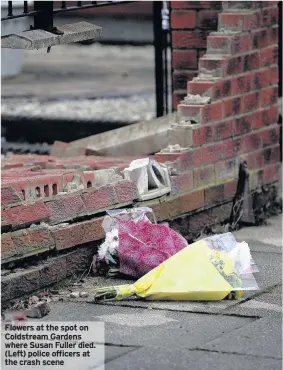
<point>54,206</point>
<point>191,23</point>
<point>230,111</point>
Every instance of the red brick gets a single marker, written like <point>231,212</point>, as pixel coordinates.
<point>223,130</point>
<point>212,153</point>
<point>230,189</point>
<point>271,155</point>
<point>271,174</point>
<point>195,5</point>
<point>225,170</point>
<point>191,159</point>
<point>252,141</point>
<point>183,19</point>
<point>182,183</point>
<point>78,233</point>
<point>261,79</point>
<point>273,35</point>
<point>199,87</point>
<point>66,207</point>
<point>47,185</point>
<point>250,102</point>
<point>270,135</point>
<point>184,59</point>
<point>167,157</point>
<point>235,65</point>
<point>214,195</point>
<point>202,135</point>
<point>260,39</point>
<point>269,96</point>
<point>9,196</point>
<point>254,61</point>
<point>32,241</point>
<point>222,89</point>
<point>232,147</point>
<point>243,125</point>
<point>181,78</point>
<point>240,21</point>
<point>189,39</point>
<point>274,75</point>
<point>241,43</point>
<point>265,117</point>
<point>167,210</point>
<point>126,191</point>
<point>192,201</point>
<point>98,199</point>
<point>24,215</point>
<point>241,84</point>
<point>232,107</point>
<point>212,113</point>
<point>7,246</point>
<point>270,16</point>
<point>268,56</point>
<point>8,166</point>
<point>204,176</point>
<point>207,19</point>
<point>255,160</point>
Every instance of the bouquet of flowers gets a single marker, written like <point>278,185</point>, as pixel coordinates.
<point>134,245</point>
<point>208,270</point>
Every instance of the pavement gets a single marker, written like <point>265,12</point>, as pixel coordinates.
<point>227,335</point>
<point>77,71</point>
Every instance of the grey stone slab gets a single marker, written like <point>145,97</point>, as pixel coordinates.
<point>181,359</point>
<point>262,337</point>
<point>270,271</point>
<point>143,327</point>
<point>113,352</point>
<point>197,307</point>
<point>37,39</point>
<point>265,304</point>
<point>270,234</point>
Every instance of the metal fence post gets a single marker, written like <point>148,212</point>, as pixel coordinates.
<point>158,51</point>
<point>44,18</point>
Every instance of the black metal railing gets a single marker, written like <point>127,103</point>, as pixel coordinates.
<point>43,13</point>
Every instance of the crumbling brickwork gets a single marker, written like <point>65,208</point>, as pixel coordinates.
<point>230,111</point>
<point>191,23</point>
<point>51,205</point>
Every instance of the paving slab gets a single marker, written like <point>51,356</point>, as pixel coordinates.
<point>262,337</point>
<point>168,359</point>
<point>77,71</point>
<point>154,328</point>
<point>270,234</point>
<point>265,304</point>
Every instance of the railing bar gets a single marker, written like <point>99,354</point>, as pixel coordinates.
<point>171,56</point>
<point>63,5</point>
<point>79,3</point>
<point>68,9</point>
<point>71,8</point>
<point>10,9</point>
<point>25,7</point>
<point>158,54</point>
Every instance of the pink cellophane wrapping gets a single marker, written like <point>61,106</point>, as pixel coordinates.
<point>143,246</point>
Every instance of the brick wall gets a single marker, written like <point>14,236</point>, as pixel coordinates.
<point>191,23</point>
<point>235,117</point>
